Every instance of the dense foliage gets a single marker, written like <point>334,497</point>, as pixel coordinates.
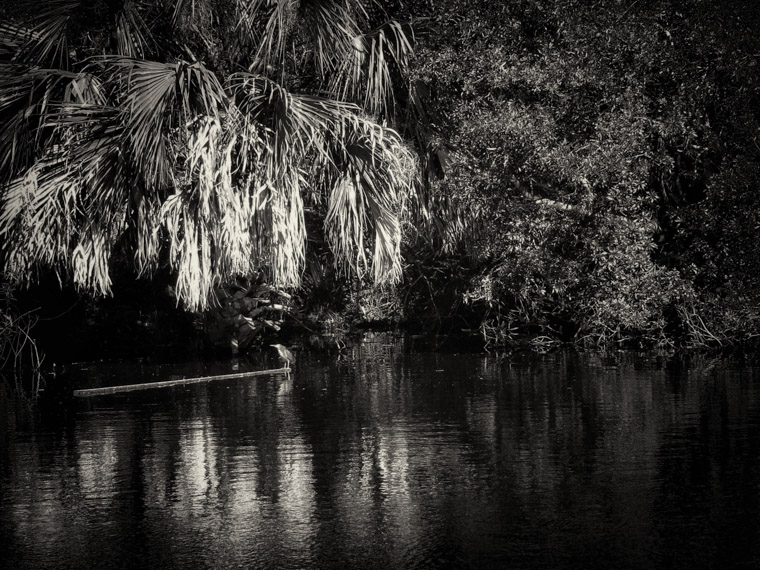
<point>602,169</point>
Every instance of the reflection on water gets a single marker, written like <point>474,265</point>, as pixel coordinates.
<point>389,458</point>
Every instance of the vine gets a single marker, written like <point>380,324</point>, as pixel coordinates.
<point>20,358</point>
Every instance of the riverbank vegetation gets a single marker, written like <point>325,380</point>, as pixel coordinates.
<point>549,170</point>
<point>602,171</point>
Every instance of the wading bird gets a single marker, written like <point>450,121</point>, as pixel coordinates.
<point>285,354</point>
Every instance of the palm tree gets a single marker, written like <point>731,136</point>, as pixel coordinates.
<point>195,133</point>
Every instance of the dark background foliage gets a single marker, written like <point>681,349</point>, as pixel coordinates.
<point>602,169</point>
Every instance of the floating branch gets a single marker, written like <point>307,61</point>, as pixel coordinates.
<point>168,383</point>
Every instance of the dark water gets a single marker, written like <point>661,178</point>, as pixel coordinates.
<point>391,458</point>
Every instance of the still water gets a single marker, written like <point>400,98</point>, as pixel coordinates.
<point>384,456</point>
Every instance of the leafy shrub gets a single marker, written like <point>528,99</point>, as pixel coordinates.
<point>577,139</point>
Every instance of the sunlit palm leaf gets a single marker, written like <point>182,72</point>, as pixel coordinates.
<point>159,154</point>
<point>190,251</point>
<point>25,96</point>
<point>346,222</point>
<point>385,212</point>
<point>71,206</point>
<point>159,97</point>
<point>209,218</point>
<point>24,219</point>
<point>38,211</point>
<point>332,26</point>
<point>296,124</point>
<point>370,164</point>
<point>377,59</point>
<point>237,205</point>
<point>147,230</point>
<point>384,172</point>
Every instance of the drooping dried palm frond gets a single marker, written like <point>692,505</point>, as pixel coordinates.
<point>381,172</point>
<point>69,209</point>
<point>132,155</point>
<point>367,75</point>
<point>366,161</point>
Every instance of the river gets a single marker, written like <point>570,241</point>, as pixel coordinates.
<point>387,455</point>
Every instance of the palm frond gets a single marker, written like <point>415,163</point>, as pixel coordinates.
<point>70,208</point>
<point>287,230</point>
<point>37,212</point>
<point>332,26</point>
<point>147,230</point>
<point>346,222</point>
<point>270,22</point>
<point>150,96</point>
<point>12,38</point>
<point>48,44</point>
<point>133,37</point>
<point>190,251</point>
<point>383,173</point>
<point>379,60</point>
<point>187,100</point>
<point>200,91</point>
<point>296,124</point>
<point>160,96</point>
<point>25,96</point>
<point>86,88</point>
<point>211,218</point>
<point>370,167</point>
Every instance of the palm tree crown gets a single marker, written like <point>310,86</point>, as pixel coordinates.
<point>195,134</point>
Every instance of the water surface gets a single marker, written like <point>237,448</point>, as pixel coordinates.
<point>386,457</point>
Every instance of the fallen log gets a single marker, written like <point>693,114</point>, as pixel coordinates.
<point>168,383</point>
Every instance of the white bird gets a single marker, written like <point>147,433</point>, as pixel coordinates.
<point>285,354</point>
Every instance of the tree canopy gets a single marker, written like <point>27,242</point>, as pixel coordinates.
<point>195,134</point>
